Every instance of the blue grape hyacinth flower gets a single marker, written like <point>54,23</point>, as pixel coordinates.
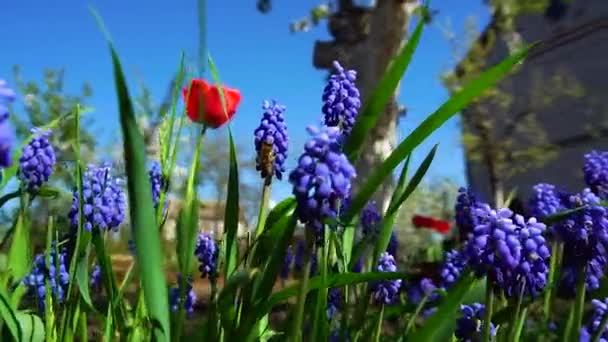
<point>7,136</point>
<point>334,302</point>
<point>104,200</point>
<point>159,183</point>
<point>596,172</point>
<point>207,253</point>
<point>386,291</point>
<point>271,141</point>
<point>322,179</point>
<point>452,267</point>
<point>469,326</point>
<point>190,298</point>
<point>287,263</point>
<point>370,218</point>
<point>55,272</point>
<point>37,161</point>
<point>341,100</point>
<point>546,201</point>
<point>600,308</point>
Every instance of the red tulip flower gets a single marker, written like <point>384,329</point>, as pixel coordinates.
<point>212,113</point>
<point>440,226</point>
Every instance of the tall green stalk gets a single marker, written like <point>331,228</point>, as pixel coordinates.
<point>579,304</point>
<point>296,329</point>
<point>555,260</point>
<point>263,212</point>
<point>488,311</point>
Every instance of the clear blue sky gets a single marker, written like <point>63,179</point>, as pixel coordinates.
<point>255,53</point>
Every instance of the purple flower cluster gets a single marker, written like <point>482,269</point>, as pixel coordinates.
<point>546,201</point>
<point>158,182</point>
<point>341,99</point>
<point>322,179</point>
<point>508,249</point>
<point>207,253</point>
<point>7,136</point>
<point>175,299</point>
<point>287,262</point>
<point>600,308</point>
<point>393,244</point>
<point>596,172</point>
<point>271,141</point>
<point>334,299</point>
<point>55,272</point>
<point>104,200</point>
<point>468,209</point>
<point>417,290</point>
<point>370,218</point>
<point>469,325</point>
<point>37,161</point>
<point>386,291</point>
<point>95,280</point>
<point>452,267</point>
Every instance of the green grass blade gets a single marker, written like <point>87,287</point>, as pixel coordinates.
<point>231,216</point>
<point>400,186</point>
<point>147,241</point>
<point>9,318</point>
<point>452,106</point>
<point>82,279</point>
<point>376,102</point>
<point>446,312</point>
<point>414,182</point>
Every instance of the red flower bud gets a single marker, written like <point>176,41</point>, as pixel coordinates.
<point>440,226</point>
<point>211,113</point>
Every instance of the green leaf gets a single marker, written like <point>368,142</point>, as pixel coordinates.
<point>31,326</point>
<point>333,280</point>
<point>82,278</point>
<point>400,186</point>
<point>47,191</point>
<point>414,182</point>
<point>9,318</point>
<point>377,100</point>
<point>19,255</point>
<point>446,312</point>
<point>231,215</point>
<point>452,106</point>
<point>147,241</point>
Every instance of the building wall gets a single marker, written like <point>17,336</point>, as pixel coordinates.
<point>575,46</point>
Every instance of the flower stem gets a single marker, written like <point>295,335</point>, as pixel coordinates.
<point>322,292</point>
<point>263,209</point>
<point>488,311</point>
<point>515,322</point>
<point>520,324</point>
<point>296,329</point>
<point>412,319</point>
<point>600,330</point>
<point>378,331</point>
<point>579,304</point>
<point>555,248</point>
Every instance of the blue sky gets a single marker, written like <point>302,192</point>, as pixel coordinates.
<point>255,53</point>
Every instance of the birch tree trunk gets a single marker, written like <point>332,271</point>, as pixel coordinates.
<point>367,39</point>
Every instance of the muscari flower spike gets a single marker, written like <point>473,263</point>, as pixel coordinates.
<point>341,100</point>
<point>452,267</point>
<point>159,183</point>
<point>58,278</point>
<point>95,280</point>
<point>467,212</point>
<point>417,290</point>
<point>7,136</point>
<point>207,253</point>
<point>393,244</point>
<point>322,179</point>
<point>599,311</point>
<point>596,172</point>
<point>469,326</point>
<point>546,201</point>
<point>334,298</point>
<point>287,262</point>
<point>37,161</point>
<point>175,300</point>
<point>386,291</point>
<point>370,218</point>
<point>271,142</point>
<point>104,201</point>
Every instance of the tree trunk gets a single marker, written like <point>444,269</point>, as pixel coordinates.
<point>367,39</point>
